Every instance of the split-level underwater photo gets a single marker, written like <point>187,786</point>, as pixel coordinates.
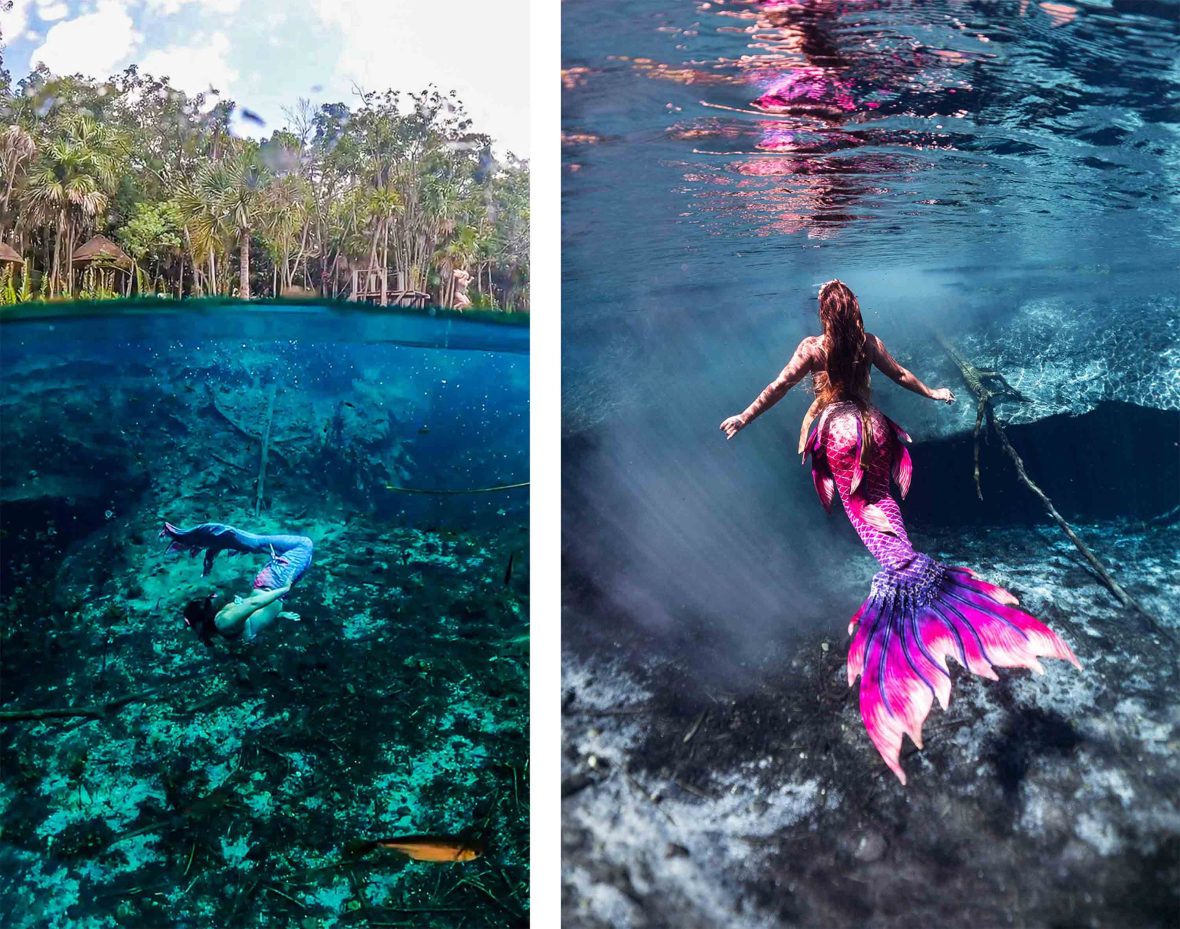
<point>264,488</point>
<point>871,464</point>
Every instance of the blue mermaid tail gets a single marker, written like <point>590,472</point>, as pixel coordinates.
<point>290,554</point>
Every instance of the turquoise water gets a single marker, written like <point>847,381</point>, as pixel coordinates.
<point>1002,175</point>
<point>185,785</point>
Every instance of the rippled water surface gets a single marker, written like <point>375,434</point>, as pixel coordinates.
<point>740,151</point>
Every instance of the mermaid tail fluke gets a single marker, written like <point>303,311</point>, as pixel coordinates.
<point>919,612</point>
<point>912,622</point>
<point>212,537</point>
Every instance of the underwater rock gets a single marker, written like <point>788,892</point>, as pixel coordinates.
<point>1065,356</point>
<point>1029,787</point>
<point>869,847</point>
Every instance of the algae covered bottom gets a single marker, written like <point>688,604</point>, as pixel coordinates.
<point>149,780</point>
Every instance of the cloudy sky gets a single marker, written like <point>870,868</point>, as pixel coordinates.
<point>266,54</point>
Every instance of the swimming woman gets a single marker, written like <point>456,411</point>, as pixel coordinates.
<point>241,617</point>
<point>919,611</point>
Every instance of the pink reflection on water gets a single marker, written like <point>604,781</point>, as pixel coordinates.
<point>818,98</point>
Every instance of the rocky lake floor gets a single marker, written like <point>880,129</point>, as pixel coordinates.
<point>149,781</point>
<point>754,798</point>
<point>220,786</point>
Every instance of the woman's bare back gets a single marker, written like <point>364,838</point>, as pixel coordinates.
<point>811,358</point>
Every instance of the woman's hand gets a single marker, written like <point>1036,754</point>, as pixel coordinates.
<point>944,394</point>
<point>733,426</point>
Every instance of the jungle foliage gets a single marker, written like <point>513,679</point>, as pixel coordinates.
<point>395,180</point>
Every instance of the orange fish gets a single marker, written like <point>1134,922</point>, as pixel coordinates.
<point>422,847</point>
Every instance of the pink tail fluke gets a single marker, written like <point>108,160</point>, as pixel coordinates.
<point>912,622</point>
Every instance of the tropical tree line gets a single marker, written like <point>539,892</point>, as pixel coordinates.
<point>396,181</point>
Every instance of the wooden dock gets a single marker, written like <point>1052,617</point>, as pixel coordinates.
<point>374,286</point>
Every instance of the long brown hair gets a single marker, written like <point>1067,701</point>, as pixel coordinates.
<point>200,615</point>
<point>846,373</point>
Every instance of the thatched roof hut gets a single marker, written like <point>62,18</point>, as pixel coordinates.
<point>102,249</point>
<point>10,254</point>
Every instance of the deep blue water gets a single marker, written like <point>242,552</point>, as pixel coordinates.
<point>397,703</point>
<point>444,398</point>
<point>1005,172</point>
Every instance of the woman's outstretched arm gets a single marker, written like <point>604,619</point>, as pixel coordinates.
<point>232,617</point>
<point>895,372</point>
<point>802,363</point>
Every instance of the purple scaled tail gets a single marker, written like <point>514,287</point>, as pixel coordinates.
<point>290,554</point>
<point>919,612</point>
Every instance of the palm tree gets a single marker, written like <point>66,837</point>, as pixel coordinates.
<point>242,200</point>
<point>487,248</point>
<point>204,227</point>
<point>285,203</point>
<point>223,202</point>
<point>384,203</point>
<point>16,148</point>
<point>70,184</point>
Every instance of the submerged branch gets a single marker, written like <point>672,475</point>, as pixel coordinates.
<point>471,490</point>
<point>97,711</point>
<point>974,379</point>
<point>233,422</point>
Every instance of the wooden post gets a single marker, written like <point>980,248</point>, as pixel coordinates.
<point>270,411</point>
<point>384,287</point>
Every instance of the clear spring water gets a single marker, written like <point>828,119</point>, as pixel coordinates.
<point>1002,172</point>
<point>1006,173</point>
<point>226,789</point>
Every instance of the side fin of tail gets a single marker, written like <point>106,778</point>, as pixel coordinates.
<point>908,628</point>
<point>825,485</point>
<point>821,472</point>
<point>869,512</point>
<point>858,472</point>
<point>903,469</point>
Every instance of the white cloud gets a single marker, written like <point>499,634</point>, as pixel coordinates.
<point>13,22</point>
<point>194,68</point>
<point>169,7</point>
<point>478,48</point>
<point>94,43</point>
<point>51,10</point>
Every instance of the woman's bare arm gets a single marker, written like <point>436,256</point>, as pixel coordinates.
<point>802,363</point>
<point>233,616</point>
<point>906,378</point>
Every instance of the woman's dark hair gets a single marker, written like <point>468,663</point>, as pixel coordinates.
<point>199,615</point>
<point>846,373</point>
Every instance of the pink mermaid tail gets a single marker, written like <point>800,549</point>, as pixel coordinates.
<point>919,612</point>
